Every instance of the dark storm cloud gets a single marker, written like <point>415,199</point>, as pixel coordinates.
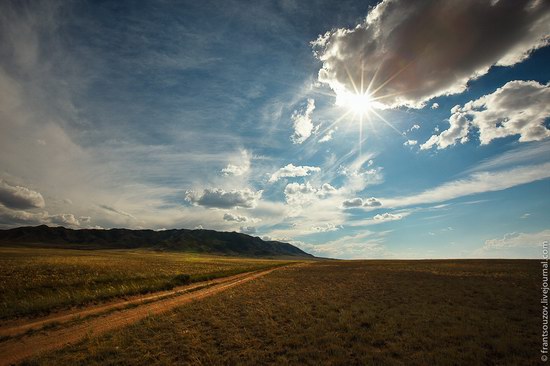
<point>18,197</point>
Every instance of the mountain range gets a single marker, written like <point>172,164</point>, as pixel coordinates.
<point>180,240</point>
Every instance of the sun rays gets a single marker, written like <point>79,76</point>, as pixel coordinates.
<point>362,103</point>
<point>358,103</point>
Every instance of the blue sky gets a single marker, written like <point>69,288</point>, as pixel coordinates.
<point>250,116</point>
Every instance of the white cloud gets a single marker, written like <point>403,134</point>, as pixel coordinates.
<point>219,198</point>
<point>328,136</point>
<point>327,227</point>
<point>518,240</point>
<point>365,245</point>
<point>353,202</point>
<point>228,216</point>
<point>387,217</point>
<point>517,108</point>
<point>525,216</point>
<point>10,218</point>
<point>248,230</point>
<point>291,171</point>
<point>303,125</point>
<point>18,197</point>
<point>237,170</point>
<point>435,106</point>
<point>358,178</point>
<point>301,194</point>
<point>326,189</point>
<point>410,143</point>
<point>413,128</point>
<point>418,50</point>
<point>372,202</point>
<point>310,206</point>
<point>359,202</point>
<point>240,168</point>
<point>476,183</point>
<point>65,220</point>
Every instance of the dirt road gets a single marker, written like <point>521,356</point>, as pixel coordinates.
<point>75,326</point>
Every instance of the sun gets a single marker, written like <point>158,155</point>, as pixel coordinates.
<point>358,103</point>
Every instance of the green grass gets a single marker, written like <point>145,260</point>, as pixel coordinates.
<point>35,281</point>
<point>343,313</point>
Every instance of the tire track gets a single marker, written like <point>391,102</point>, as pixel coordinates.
<point>14,351</point>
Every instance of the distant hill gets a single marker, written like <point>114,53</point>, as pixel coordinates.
<point>183,240</point>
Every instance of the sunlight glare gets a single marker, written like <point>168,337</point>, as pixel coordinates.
<point>359,103</point>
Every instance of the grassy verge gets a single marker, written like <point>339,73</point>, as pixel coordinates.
<point>37,281</point>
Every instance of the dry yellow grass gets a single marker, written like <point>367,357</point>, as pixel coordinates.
<point>35,281</point>
<point>343,313</point>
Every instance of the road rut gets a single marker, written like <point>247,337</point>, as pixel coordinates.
<point>15,350</point>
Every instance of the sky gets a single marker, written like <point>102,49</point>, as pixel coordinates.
<point>351,129</point>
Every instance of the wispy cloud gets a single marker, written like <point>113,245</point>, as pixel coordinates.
<point>536,152</point>
<point>368,244</point>
<point>514,245</point>
<point>479,182</point>
<point>303,125</point>
<point>117,211</point>
<point>518,240</point>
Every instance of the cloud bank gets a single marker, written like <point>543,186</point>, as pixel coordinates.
<point>411,51</point>
<point>18,197</point>
<point>11,217</point>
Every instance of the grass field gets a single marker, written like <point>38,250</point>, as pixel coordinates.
<point>35,281</point>
<point>343,313</point>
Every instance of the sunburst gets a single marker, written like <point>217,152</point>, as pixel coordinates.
<point>363,103</point>
<point>358,103</point>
